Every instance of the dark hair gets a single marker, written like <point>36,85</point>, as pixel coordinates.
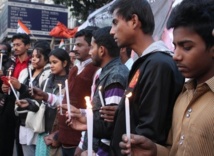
<point>198,15</point>
<point>24,37</point>
<point>43,47</point>
<point>87,33</point>
<point>102,37</point>
<point>62,55</point>
<point>126,8</point>
<point>8,46</point>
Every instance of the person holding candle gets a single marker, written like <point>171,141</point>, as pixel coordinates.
<point>113,77</point>
<point>79,84</point>
<point>47,143</point>
<point>154,79</point>
<point>40,72</point>
<point>7,119</point>
<point>20,60</point>
<point>192,130</point>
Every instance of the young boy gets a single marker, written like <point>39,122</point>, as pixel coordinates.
<point>192,131</point>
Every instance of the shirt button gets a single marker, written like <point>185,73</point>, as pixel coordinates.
<point>187,115</point>
<point>182,137</point>
<point>190,110</point>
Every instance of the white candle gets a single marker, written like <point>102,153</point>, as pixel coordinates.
<point>127,111</point>
<point>89,116</point>
<point>67,99</point>
<point>101,97</point>
<point>14,92</point>
<point>30,74</point>
<point>9,75</point>
<point>60,97</point>
<point>1,61</point>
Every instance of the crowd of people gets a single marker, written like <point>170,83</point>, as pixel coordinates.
<point>168,116</point>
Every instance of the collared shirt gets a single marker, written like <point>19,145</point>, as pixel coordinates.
<point>19,66</point>
<point>193,121</point>
<point>129,63</point>
<point>192,132</point>
<point>81,65</point>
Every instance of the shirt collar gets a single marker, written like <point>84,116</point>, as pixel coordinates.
<point>84,63</point>
<point>26,60</point>
<point>191,84</point>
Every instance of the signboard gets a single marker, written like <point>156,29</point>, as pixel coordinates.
<point>38,17</point>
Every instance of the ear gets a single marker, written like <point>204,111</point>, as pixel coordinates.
<point>64,64</point>
<point>101,51</point>
<point>135,21</point>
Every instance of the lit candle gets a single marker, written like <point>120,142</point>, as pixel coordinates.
<point>1,61</point>
<point>101,97</point>
<point>14,92</point>
<point>89,116</point>
<point>67,99</point>
<point>60,97</point>
<point>127,111</point>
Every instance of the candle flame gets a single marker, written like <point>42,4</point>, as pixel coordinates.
<point>100,87</point>
<point>88,102</point>
<point>129,95</point>
<point>59,84</point>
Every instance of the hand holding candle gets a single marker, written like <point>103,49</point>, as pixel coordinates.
<point>60,96</point>
<point>128,116</point>
<point>89,125</point>
<point>14,92</point>
<point>68,99</point>
<point>101,97</point>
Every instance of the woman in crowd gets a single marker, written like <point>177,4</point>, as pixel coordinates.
<point>47,144</point>
<point>40,70</point>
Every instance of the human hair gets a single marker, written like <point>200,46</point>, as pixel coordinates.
<point>126,9</point>
<point>87,33</point>
<point>8,46</point>
<point>43,47</point>
<point>24,37</point>
<point>102,37</point>
<point>62,55</point>
<point>197,15</point>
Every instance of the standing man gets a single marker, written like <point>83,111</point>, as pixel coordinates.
<point>154,79</point>
<point>79,81</point>
<point>192,129</point>
<point>112,80</point>
<point>21,44</point>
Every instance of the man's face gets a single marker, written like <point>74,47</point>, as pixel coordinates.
<point>121,30</point>
<point>19,47</point>
<point>94,52</point>
<point>193,59</point>
<point>82,49</point>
